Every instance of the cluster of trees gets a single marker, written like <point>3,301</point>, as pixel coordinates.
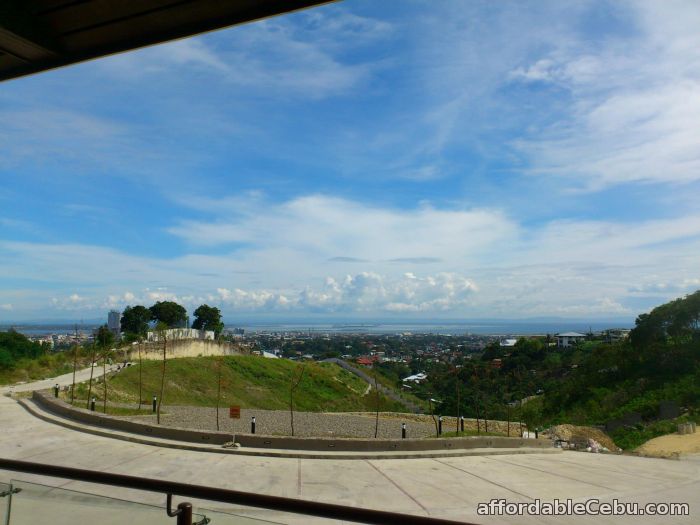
<point>136,320</point>
<point>677,321</point>
<point>661,361</point>
<point>15,346</point>
<point>589,384</point>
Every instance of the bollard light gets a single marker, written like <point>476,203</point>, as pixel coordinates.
<point>252,425</point>
<point>440,425</point>
<point>461,423</point>
<point>55,390</point>
<point>92,404</point>
<point>155,399</point>
<point>403,430</point>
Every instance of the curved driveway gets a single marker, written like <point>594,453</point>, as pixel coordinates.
<point>445,487</point>
<point>64,380</point>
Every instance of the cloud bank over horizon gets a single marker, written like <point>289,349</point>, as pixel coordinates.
<point>365,159</point>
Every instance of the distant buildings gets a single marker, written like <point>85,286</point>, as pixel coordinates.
<point>182,333</point>
<point>415,378</point>
<point>113,322</point>
<point>568,339</point>
<point>614,335</point>
<point>367,360</point>
<point>508,342</point>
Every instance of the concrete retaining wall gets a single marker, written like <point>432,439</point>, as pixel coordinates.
<point>181,348</point>
<point>62,408</point>
<point>375,445</point>
<point>59,407</point>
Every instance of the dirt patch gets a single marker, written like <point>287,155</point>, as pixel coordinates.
<point>671,445</point>
<point>580,435</point>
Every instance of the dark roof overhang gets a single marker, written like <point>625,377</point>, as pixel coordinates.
<point>36,35</point>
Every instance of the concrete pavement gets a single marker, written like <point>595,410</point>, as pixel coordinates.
<point>63,380</point>
<point>439,487</point>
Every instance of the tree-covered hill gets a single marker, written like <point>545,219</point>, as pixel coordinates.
<point>590,383</point>
<point>24,360</point>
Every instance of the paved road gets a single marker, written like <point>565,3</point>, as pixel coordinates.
<point>446,487</point>
<point>390,392</point>
<point>64,380</point>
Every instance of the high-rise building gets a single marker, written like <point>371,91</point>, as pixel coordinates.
<point>113,322</point>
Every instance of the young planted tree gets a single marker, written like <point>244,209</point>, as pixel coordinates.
<point>140,373</point>
<point>532,414</point>
<point>292,387</point>
<point>459,413</point>
<point>103,340</point>
<point>218,389</point>
<point>432,414</point>
<point>75,366</point>
<point>104,380</point>
<point>162,330</point>
<point>478,414</point>
<point>92,372</point>
<point>134,324</point>
<point>376,403</point>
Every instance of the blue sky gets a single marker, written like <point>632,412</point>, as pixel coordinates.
<point>409,159</point>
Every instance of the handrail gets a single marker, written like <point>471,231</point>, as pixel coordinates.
<point>278,503</point>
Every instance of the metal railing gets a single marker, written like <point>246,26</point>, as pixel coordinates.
<point>184,510</point>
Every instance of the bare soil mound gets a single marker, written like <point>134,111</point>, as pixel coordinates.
<point>671,445</point>
<point>580,435</point>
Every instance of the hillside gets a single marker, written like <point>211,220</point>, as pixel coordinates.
<point>660,362</point>
<point>24,360</point>
<point>248,381</point>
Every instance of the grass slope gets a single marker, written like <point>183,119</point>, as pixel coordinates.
<point>248,381</point>
<point>42,367</point>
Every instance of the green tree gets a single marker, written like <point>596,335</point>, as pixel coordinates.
<point>135,320</point>
<point>15,346</point>
<point>170,313</point>
<point>103,340</point>
<point>208,318</point>
<point>162,331</point>
<point>7,362</point>
<point>531,414</point>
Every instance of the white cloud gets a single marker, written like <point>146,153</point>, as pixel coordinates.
<point>375,260</point>
<point>539,71</point>
<point>6,306</point>
<point>635,103</point>
<point>275,56</point>
<point>331,228</point>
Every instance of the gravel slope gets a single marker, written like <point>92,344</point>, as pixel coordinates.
<point>308,424</point>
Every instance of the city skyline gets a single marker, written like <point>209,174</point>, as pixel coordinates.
<point>406,160</point>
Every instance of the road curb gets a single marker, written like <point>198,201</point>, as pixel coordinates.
<point>49,417</point>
